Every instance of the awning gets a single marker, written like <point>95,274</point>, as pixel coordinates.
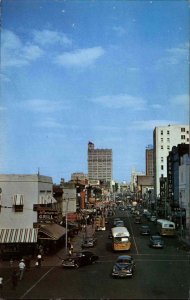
<point>20,235</point>
<point>53,231</point>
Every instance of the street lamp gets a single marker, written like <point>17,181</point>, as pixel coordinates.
<point>66,226</point>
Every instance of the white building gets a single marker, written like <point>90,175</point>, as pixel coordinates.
<point>18,195</point>
<point>164,138</point>
<point>184,188</point>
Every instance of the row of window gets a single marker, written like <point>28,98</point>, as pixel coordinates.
<point>168,132</point>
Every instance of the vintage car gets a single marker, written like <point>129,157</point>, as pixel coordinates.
<point>79,259</point>
<point>123,267</point>
<point>145,230</point>
<point>89,242</point>
<point>156,241</point>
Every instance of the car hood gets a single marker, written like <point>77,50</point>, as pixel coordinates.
<point>122,266</point>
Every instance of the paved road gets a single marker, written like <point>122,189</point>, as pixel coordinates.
<point>160,273</point>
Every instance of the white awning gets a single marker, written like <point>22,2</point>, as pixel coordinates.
<point>19,235</point>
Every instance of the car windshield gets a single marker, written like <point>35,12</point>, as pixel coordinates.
<point>156,238</point>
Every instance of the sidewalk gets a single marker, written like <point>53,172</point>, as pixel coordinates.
<point>55,259</point>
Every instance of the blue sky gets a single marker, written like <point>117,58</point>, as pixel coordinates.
<point>108,72</point>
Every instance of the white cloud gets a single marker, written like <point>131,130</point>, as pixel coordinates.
<point>120,31</point>
<point>43,106</point>
<point>80,57</point>
<point>180,100</point>
<point>49,123</point>
<point>121,101</point>
<point>50,37</point>
<point>175,55</point>
<point>14,53</point>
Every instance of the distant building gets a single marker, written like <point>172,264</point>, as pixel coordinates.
<point>133,183</point>
<point>184,188</point>
<point>99,164</point>
<point>164,138</point>
<point>79,176</point>
<point>149,160</point>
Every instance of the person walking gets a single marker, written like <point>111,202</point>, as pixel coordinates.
<point>14,279</point>
<point>1,285</point>
<point>39,260</point>
<point>22,267</point>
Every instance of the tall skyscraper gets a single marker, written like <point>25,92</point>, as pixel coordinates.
<point>99,164</point>
<point>164,138</point>
<point>149,160</point>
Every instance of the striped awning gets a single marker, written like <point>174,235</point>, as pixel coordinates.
<point>53,231</point>
<point>20,235</point>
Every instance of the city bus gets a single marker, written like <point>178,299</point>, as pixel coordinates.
<point>121,240</point>
<point>165,227</point>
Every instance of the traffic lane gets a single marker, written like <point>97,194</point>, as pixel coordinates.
<point>152,280</point>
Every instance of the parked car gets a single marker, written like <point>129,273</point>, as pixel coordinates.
<point>116,220</point>
<point>137,220</point>
<point>156,241</point>
<point>123,267</point>
<point>145,230</point>
<point>153,218</point>
<point>88,242</point>
<point>79,259</point>
<point>119,224</point>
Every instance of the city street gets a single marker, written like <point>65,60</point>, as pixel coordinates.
<point>160,273</point>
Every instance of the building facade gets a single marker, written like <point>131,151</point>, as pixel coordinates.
<point>164,138</point>
<point>149,160</point>
<point>99,164</point>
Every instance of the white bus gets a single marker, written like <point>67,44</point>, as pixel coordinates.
<point>120,239</point>
<point>165,227</point>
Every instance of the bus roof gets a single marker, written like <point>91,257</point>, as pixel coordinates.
<point>120,231</point>
<point>165,222</point>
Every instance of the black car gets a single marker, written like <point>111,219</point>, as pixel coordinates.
<point>89,242</point>
<point>137,220</point>
<point>79,259</point>
<point>123,267</point>
<point>156,241</point>
<point>145,230</point>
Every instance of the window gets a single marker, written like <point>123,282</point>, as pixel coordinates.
<point>183,137</point>
<point>162,147</point>
<point>18,202</point>
<point>162,167</point>
<point>182,129</point>
<point>162,159</point>
<point>187,139</point>
<point>162,139</point>
<point>161,132</point>
<point>168,147</point>
<point>168,139</point>
<point>168,132</point>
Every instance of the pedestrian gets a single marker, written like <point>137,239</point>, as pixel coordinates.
<point>1,285</point>
<point>22,267</point>
<point>11,262</point>
<point>71,248</point>
<point>14,279</point>
<point>39,260</point>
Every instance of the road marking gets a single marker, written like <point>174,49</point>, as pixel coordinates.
<point>131,228</point>
<point>36,283</point>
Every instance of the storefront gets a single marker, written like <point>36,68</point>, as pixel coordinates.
<point>51,237</point>
<point>16,243</point>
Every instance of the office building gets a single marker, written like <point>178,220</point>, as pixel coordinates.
<point>99,164</point>
<point>149,160</point>
<point>164,138</point>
